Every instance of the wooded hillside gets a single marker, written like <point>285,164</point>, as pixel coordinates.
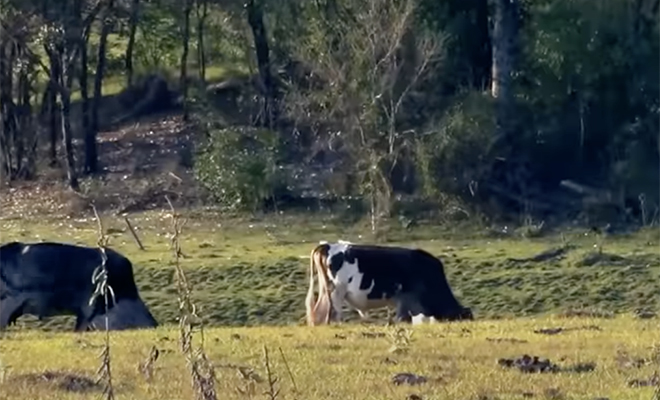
<point>526,110</point>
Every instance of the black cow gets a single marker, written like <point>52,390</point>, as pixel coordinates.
<point>126,314</point>
<point>47,279</point>
<point>369,277</point>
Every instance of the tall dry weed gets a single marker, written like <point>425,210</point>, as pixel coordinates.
<point>201,370</point>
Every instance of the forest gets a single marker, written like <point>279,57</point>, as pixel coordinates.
<point>522,111</point>
<point>216,142</point>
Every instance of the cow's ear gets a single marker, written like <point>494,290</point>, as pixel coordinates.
<point>336,261</point>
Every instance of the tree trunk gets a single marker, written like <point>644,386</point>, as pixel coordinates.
<point>90,166</point>
<point>53,111</point>
<point>5,158</point>
<point>183,77</point>
<point>53,116</point>
<point>23,115</point>
<point>98,84</point>
<point>202,13</point>
<point>91,159</point>
<point>504,44</point>
<point>8,107</point>
<point>256,21</point>
<point>133,22</point>
<point>65,83</point>
<point>27,125</point>
<point>482,55</point>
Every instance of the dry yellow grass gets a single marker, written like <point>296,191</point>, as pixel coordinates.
<point>344,362</point>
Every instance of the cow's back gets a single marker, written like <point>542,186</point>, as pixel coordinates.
<point>49,266</point>
<point>390,267</point>
<point>394,261</point>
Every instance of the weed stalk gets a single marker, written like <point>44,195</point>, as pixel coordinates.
<point>272,392</point>
<point>100,279</point>
<point>202,371</point>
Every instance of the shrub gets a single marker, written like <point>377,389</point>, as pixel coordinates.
<point>239,167</point>
<point>453,154</point>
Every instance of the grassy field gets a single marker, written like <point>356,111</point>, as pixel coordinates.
<point>251,271</point>
<point>248,277</point>
<point>459,361</point>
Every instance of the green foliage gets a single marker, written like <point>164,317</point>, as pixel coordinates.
<point>452,154</point>
<point>368,66</point>
<point>239,167</point>
<point>590,93</point>
<point>158,39</point>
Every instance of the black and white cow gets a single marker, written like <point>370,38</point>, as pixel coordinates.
<point>47,279</point>
<point>367,277</point>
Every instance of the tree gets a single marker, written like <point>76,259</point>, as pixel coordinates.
<point>91,155</point>
<point>256,20</point>
<point>185,37</point>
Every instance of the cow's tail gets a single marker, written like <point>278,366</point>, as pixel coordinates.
<point>318,310</point>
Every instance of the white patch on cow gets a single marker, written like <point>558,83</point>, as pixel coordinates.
<point>338,241</point>
<point>347,281</point>
<point>421,318</point>
<point>25,249</point>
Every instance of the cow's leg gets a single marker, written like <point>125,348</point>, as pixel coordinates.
<point>81,323</point>
<point>407,306</point>
<point>337,298</point>
<point>402,312</point>
<point>10,310</point>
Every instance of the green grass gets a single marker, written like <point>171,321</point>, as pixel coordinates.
<point>458,359</point>
<point>252,271</point>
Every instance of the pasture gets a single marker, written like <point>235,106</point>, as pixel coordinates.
<point>249,283</point>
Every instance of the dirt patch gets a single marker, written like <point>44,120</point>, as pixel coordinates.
<point>60,380</point>
<point>654,380</point>
<point>586,313</point>
<point>596,258</point>
<point>506,340</point>
<point>645,314</point>
<point>626,361</point>
<point>372,335</point>
<point>554,331</point>
<point>529,364</point>
<point>408,378</point>
<point>535,364</point>
<point>557,253</point>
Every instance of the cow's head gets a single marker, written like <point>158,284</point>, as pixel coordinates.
<point>461,314</point>
<point>325,259</point>
<point>466,314</point>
